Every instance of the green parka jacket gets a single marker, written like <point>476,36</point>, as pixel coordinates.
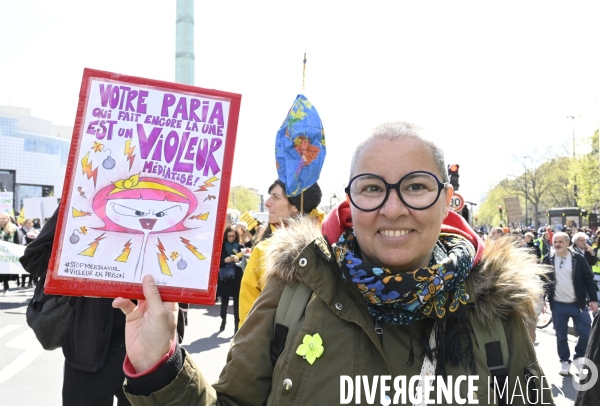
<point>504,285</point>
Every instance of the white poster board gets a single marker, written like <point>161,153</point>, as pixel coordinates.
<point>9,258</point>
<point>40,207</point>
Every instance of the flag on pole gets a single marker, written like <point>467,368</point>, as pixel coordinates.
<point>300,147</point>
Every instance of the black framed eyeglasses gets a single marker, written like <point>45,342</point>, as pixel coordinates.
<point>418,190</point>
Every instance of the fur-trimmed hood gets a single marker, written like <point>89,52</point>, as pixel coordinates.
<point>506,279</point>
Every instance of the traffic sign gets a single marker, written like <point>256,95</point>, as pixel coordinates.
<point>457,203</point>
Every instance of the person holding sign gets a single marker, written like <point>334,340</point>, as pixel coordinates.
<point>409,291</point>
<point>9,233</point>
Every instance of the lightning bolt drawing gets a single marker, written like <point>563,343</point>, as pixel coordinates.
<point>125,254</point>
<point>79,213</point>
<point>162,259</point>
<point>91,250</point>
<point>209,197</point>
<point>200,217</point>
<point>129,152</point>
<point>207,183</point>
<point>193,249</point>
<point>86,168</point>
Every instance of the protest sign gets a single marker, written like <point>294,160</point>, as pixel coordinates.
<point>251,221</point>
<point>40,207</point>
<point>9,258</point>
<point>513,209</point>
<point>146,189</point>
<point>6,203</point>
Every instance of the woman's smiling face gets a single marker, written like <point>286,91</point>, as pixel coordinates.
<point>396,236</point>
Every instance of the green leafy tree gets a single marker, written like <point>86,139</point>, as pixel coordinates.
<point>243,199</point>
<point>549,184</point>
<point>587,173</point>
<point>560,173</point>
<point>543,186</point>
<point>488,214</point>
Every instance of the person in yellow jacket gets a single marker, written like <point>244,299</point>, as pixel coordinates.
<point>280,207</point>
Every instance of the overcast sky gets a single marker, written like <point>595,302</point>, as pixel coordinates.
<point>490,81</point>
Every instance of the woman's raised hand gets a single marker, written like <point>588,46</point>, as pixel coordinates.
<point>150,326</point>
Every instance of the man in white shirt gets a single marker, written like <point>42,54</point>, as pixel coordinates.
<point>572,284</point>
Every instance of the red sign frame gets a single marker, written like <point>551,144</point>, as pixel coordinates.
<point>65,285</point>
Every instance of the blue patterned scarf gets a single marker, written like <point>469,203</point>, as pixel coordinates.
<point>436,292</point>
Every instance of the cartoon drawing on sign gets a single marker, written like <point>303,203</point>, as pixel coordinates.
<point>74,239</point>
<point>142,205</point>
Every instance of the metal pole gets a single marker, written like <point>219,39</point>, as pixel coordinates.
<point>574,178</point>
<point>184,42</point>
<point>526,191</point>
<point>526,198</point>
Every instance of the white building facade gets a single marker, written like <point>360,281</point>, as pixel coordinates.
<point>33,155</point>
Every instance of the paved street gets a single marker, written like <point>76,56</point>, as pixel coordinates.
<point>31,376</point>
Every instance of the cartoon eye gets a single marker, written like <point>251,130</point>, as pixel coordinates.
<point>127,211</point>
<point>165,211</point>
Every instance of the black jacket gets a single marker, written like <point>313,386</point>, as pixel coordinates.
<point>230,288</point>
<point>592,395</point>
<point>590,258</point>
<point>583,280</point>
<point>95,323</point>
<point>96,326</point>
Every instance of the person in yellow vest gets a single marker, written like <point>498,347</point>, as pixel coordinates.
<point>595,246</point>
<point>596,266</point>
<point>280,207</point>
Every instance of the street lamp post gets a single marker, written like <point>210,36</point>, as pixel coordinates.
<point>526,196</point>
<point>573,121</point>
<point>575,177</point>
<point>526,192</point>
<point>332,201</point>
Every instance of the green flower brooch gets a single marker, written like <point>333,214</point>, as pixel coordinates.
<point>311,348</point>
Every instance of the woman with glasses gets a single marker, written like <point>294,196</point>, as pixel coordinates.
<point>409,292</point>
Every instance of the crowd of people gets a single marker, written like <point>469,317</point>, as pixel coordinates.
<point>22,234</point>
<point>584,240</point>
<point>390,282</point>
<point>571,290</point>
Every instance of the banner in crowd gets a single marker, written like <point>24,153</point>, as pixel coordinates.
<point>9,258</point>
<point>146,189</point>
<point>6,203</point>
<point>513,209</point>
